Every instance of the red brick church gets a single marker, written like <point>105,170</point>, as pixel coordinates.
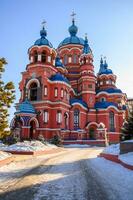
<point>60,93</point>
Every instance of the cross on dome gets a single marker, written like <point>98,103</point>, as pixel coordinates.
<point>73,15</point>
<point>43,23</point>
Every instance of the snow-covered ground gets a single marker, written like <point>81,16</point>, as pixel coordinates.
<point>127,158</point>
<point>4,155</point>
<point>34,145</point>
<point>117,180</point>
<point>112,149</point>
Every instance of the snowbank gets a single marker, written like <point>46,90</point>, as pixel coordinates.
<point>127,158</point>
<point>27,146</point>
<point>112,149</point>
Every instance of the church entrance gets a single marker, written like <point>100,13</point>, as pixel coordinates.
<point>92,134</point>
<point>32,130</point>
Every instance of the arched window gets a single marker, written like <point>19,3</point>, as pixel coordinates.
<point>35,56</point>
<point>65,60</point>
<point>74,58</point>
<point>45,116</point>
<point>84,60</point>
<point>62,93</point>
<point>56,92</point>
<point>59,117</point>
<point>103,99</point>
<point>66,120</point>
<point>43,57</point>
<point>112,121</point>
<point>33,91</point>
<point>76,119</point>
<point>45,91</point>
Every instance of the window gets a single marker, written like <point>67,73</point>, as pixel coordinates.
<point>74,58</point>
<point>76,119</point>
<point>66,120</point>
<point>90,86</point>
<point>111,121</point>
<point>35,56</point>
<point>84,61</point>
<point>65,60</point>
<point>65,93</point>
<point>43,57</point>
<point>33,91</point>
<point>45,116</point>
<point>62,93</point>
<point>59,117</point>
<point>103,99</point>
<point>45,90</point>
<point>55,92</point>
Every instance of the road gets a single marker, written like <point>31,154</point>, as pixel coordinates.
<point>61,176</point>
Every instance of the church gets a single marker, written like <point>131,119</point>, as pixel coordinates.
<point>60,94</point>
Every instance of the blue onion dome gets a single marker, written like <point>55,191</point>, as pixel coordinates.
<point>58,62</point>
<point>25,107</point>
<point>104,68</point>
<point>73,39</point>
<point>73,29</point>
<point>59,77</point>
<point>43,40</point>
<point>86,49</point>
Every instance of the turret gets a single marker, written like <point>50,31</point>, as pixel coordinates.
<point>87,79</point>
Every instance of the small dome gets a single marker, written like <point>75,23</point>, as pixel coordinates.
<point>58,63</point>
<point>59,77</point>
<point>104,68</point>
<point>105,104</point>
<point>25,107</point>
<point>73,29</point>
<point>43,40</point>
<point>110,90</point>
<point>73,39</point>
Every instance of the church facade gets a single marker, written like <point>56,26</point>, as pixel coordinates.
<point>60,93</point>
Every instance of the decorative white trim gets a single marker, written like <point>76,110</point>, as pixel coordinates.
<point>36,121</point>
<point>109,94</point>
<point>60,82</point>
<point>92,123</point>
<point>51,102</point>
<point>76,103</point>
<point>32,80</point>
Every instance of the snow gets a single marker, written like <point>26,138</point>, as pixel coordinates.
<point>127,158</point>
<point>4,155</point>
<point>116,180</point>
<point>112,149</point>
<point>127,141</point>
<point>34,145</point>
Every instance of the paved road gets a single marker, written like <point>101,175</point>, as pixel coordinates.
<point>63,176</point>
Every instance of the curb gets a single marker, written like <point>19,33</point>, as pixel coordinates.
<point>115,158</point>
<point>35,153</point>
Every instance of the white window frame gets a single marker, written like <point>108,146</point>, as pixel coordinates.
<point>45,90</point>
<point>62,93</point>
<point>45,116</point>
<point>56,92</point>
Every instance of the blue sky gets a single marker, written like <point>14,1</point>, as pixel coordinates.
<point>109,24</point>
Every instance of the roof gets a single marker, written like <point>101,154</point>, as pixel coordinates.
<point>110,90</point>
<point>80,101</point>
<point>59,77</point>
<point>73,39</point>
<point>43,40</point>
<point>105,104</point>
<point>25,107</point>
